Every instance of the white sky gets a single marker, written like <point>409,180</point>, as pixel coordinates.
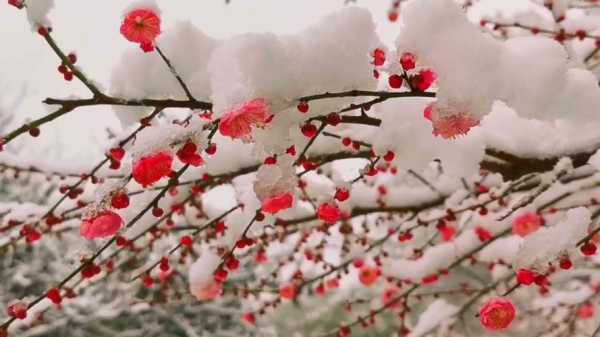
<point>91,28</point>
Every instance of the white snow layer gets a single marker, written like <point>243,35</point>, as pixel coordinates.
<point>529,74</point>
<point>201,272</point>
<point>37,12</point>
<point>332,55</point>
<point>535,251</point>
<point>548,101</point>
<point>435,314</point>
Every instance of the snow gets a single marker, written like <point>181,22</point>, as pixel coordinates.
<point>595,160</point>
<point>230,156</point>
<point>535,251</point>
<point>167,136</point>
<point>200,273</point>
<point>469,61</point>
<point>560,137</point>
<point>525,12</point>
<point>213,69</point>
<point>37,12</point>
<point>276,179</point>
<point>21,211</point>
<point>284,68</point>
<point>47,164</point>
<point>566,297</point>
<point>505,249</point>
<point>403,127</point>
<point>436,313</point>
<point>434,259</point>
<point>142,4</point>
<point>139,75</point>
<point>531,97</point>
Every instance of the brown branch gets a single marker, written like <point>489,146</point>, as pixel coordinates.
<point>174,72</point>
<point>366,93</point>
<point>179,245</point>
<point>84,264</point>
<point>310,142</point>
<point>109,100</point>
<point>512,167</point>
<point>36,170</point>
<point>591,55</point>
<point>540,30</point>
<point>35,124</point>
<point>65,60</point>
<point>82,179</point>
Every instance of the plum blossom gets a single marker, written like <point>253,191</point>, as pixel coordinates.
<point>423,80</point>
<point>188,154</point>
<point>119,200</point>
<point>586,311</point>
<point>526,224</point>
<point>150,169</point>
<point>449,121</point>
<point>141,26</point>
<point>16,3</point>
<point>208,292</point>
<point>249,319</point>
<point>329,213</point>
<point>497,313</point>
<point>408,61</point>
<point>277,203</point>
<point>17,310</point>
<point>368,275</point>
<point>238,122</point>
<point>378,57</point>
<point>102,225</point>
<point>389,297</point>
<point>525,277</point>
<point>288,291</point>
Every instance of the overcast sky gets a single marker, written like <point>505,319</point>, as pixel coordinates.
<point>91,28</point>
